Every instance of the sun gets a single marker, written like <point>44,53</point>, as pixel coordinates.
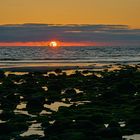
<point>53,44</point>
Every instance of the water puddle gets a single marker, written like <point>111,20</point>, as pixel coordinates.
<point>34,129</point>
<point>132,137</point>
<point>56,105</point>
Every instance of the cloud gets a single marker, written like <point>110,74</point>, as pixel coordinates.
<point>115,34</point>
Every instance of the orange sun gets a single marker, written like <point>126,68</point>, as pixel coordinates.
<point>53,44</point>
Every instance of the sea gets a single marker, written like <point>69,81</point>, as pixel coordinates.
<point>77,54</point>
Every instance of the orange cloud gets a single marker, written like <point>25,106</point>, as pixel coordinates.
<point>42,43</point>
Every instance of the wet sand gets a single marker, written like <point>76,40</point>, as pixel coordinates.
<point>41,67</point>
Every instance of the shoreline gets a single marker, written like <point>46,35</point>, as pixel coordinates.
<point>48,66</point>
<point>63,66</point>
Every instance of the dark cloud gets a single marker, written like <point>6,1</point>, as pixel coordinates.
<point>72,33</point>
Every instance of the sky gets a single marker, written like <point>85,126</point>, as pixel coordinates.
<point>95,22</point>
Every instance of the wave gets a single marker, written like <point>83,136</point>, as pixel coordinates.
<point>68,61</point>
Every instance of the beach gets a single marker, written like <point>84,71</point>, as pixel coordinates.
<point>69,100</point>
<point>69,70</point>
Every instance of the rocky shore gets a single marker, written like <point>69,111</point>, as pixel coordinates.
<point>84,105</point>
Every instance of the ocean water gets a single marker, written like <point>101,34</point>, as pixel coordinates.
<point>90,54</point>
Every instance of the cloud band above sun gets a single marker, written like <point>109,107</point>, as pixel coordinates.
<point>68,35</point>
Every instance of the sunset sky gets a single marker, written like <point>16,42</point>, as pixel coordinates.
<point>101,17</point>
